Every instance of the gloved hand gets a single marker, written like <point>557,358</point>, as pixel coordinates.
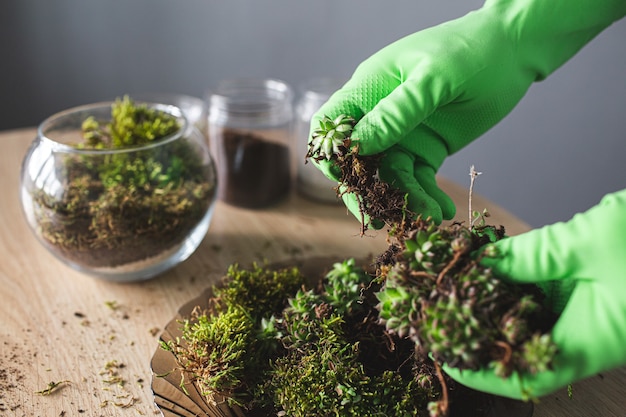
<point>429,94</point>
<point>582,266</point>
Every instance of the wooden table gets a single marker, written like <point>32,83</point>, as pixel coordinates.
<point>97,337</point>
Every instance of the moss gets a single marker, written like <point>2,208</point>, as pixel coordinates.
<point>261,291</point>
<point>130,125</point>
<point>329,380</point>
<point>227,350</point>
<point>299,350</point>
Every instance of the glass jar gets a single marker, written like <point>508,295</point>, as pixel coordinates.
<point>311,182</point>
<point>250,126</point>
<point>122,214</point>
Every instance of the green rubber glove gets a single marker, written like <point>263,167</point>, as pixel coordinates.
<point>429,94</point>
<point>582,264</point>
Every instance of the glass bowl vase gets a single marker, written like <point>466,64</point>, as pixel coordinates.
<point>121,214</point>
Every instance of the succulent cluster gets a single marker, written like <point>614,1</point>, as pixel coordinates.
<point>437,293</point>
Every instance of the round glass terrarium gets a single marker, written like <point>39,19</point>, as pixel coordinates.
<point>122,213</point>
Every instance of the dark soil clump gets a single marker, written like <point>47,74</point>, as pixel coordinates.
<point>377,199</point>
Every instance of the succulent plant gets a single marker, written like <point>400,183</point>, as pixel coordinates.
<point>307,320</point>
<point>430,248</point>
<point>398,307</point>
<point>330,136</point>
<point>452,333</point>
<point>345,283</point>
<point>537,353</point>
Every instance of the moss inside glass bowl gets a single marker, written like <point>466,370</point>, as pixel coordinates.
<point>119,190</point>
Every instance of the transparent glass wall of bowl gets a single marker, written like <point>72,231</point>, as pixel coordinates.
<point>311,183</point>
<point>251,131</point>
<point>107,229</point>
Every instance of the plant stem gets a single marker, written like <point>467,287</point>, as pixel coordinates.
<point>473,174</point>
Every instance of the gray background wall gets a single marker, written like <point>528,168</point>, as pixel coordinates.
<point>558,153</point>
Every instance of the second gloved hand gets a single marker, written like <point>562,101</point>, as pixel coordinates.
<point>429,94</point>
<point>582,267</point>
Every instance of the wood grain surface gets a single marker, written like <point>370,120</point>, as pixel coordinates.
<point>96,338</point>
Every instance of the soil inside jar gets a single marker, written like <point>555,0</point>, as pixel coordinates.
<point>253,172</point>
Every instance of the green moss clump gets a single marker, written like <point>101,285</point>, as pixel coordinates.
<point>301,351</point>
<point>338,359</point>
<point>329,380</point>
<point>228,349</point>
<point>261,291</point>
<point>130,125</point>
<point>218,349</point>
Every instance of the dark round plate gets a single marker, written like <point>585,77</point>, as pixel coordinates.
<point>174,400</point>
